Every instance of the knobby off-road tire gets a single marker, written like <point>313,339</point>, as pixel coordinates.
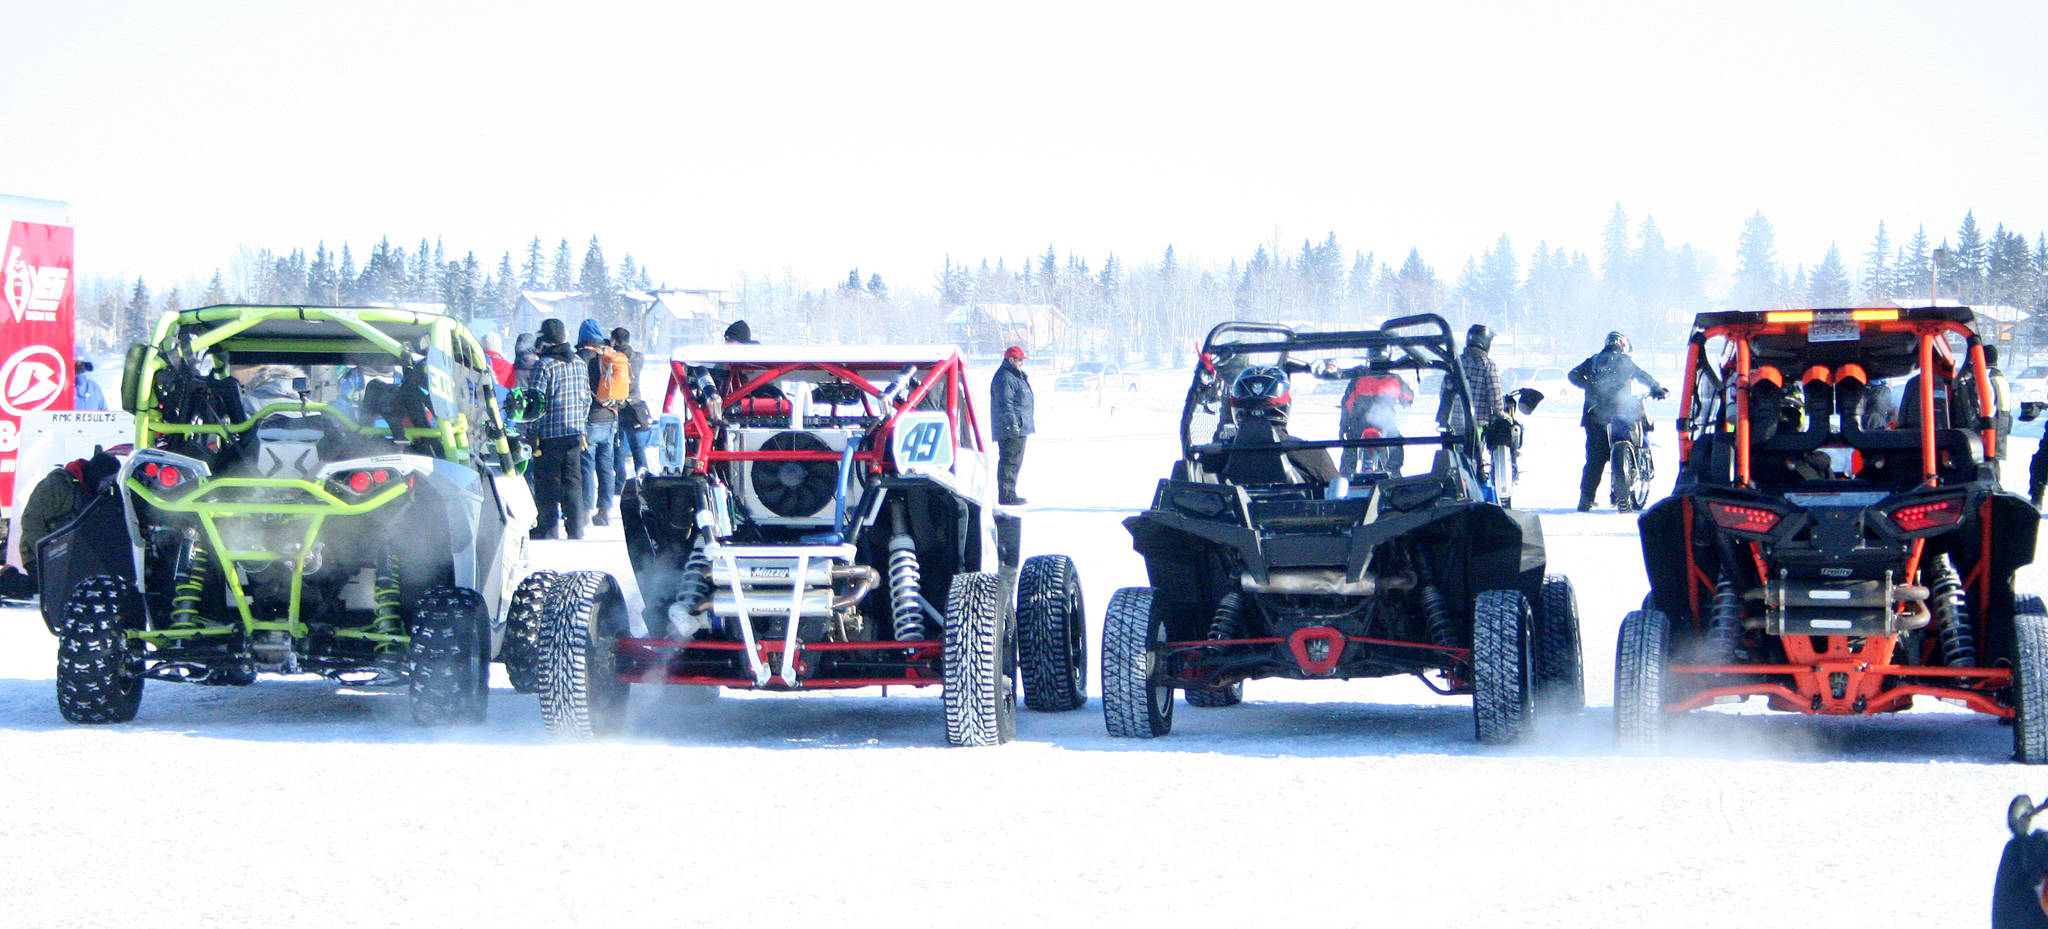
<point>1229,623</point>
<point>581,695</point>
<point>1501,461</point>
<point>1503,667</point>
<point>99,675</point>
<point>524,620</point>
<point>1137,703</point>
<point>2030,688</point>
<point>1560,659</point>
<point>1622,458</point>
<point>448,664</point>
<point>1641,655</point>
<point>978,687</point>
<point>1052,634</point>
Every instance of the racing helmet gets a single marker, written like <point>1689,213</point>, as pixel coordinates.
<point>1479,337</point>
<point>1616,340</point>
<point>1263,391</point>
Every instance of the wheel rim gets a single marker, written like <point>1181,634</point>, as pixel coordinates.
<point>1161,691</point>
<point>1077,639</point>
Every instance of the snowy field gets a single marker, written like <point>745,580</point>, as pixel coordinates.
<point>1318,804</point>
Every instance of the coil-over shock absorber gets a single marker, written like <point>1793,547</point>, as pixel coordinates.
<point>1229,621</point>
<point>695,590</point>
<point>906,600</point>
<point>189,589</point>
<point>1952,611</point>
<point>1724,626</point>
<point>1443,629</point>
<point>385,599</point>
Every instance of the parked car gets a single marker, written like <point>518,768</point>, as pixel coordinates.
<point>1553,383</point>
<point>1097,376</point>
<point>2031,384</point>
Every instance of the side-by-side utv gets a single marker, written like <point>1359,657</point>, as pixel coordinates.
<point>323,490</point>
<point>825,518</point>
<point>1296,538</point>
<point>1836,541</point>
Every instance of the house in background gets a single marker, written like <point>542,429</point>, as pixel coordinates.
<point>679,316</point>
<point>988,328</point>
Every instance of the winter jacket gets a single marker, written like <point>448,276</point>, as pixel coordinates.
<point>524,361</point>
<point>1483,380</point>
<point>86,395</point>
<point>564,380</point>
<point>1607,379</point>
<point>1011,402</point>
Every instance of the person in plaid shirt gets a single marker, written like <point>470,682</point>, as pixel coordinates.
<point>564,380</point>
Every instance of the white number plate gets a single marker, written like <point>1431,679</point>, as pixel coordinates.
<point>1833,327</point>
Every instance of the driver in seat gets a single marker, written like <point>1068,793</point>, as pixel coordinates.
<point>1260,398</point>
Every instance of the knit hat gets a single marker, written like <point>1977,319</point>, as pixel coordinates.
<point>552,330</point>
<point>739,332</point>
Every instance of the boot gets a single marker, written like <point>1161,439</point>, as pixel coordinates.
<point>1585,503</point>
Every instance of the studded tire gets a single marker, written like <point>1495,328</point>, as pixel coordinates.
<point>1560,659</point>
<point>99,673</point>
<point>1052,634</point>
<point>1137,703</point>
<point>2030,688</point>
<point>448,664</point>
<point>524,620</point>
<point>581,696</point>
<point>1503,669</point>
<point>978,687</point>
<point>1641,655</point>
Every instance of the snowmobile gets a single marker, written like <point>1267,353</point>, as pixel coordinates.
<point>322,490</point>
<point>824,518</point>
<point>1828,548</point>
<point>1267,559</point>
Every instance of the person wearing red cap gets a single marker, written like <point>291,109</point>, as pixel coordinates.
<point>1009,397</point>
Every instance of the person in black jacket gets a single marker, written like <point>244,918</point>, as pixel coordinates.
<point>1607,378</point>
<point>1009,396</point>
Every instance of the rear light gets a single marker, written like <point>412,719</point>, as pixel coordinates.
<point>364,481</point>
<point>1738,518</point>
<point>166,476</point>
<point>1938,514</point>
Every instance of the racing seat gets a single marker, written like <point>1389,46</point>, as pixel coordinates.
<point>1262,465</point>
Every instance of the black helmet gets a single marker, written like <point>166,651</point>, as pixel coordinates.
<point>1479,337</point>
<point>1264,391</point>
<point>1616,340</point>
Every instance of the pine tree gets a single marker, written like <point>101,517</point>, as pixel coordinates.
<point>136,323</point>
<point>564,276</point>
<point>851,286</point>
<point>506,294</point>
<point>876,288</point>
<point>1168,265</point>
<point>1499,274</point>
<point>216,290</point>
<point>345,276</point>
<point>420,277</point>
<point>1913,272</point>
<point>173,300</point>
<point>596,281</point>
<point>629,273</point>
<point>1965,274</point>
<point>1877,268</point>
<point>1418,286</point>
<point>530,272</point>
<point>1829,285</point>
<point>1616,284</point>
<point>1758,279</point>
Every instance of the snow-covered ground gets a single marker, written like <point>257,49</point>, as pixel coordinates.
<point>1324,804</point>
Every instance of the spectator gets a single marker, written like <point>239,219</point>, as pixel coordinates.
<point>739,333</point>
<point>524,360</point>
<point>1011,402</point>
<point>602,428</point>
<point>636,421</point>
<point>564,380</point>
<point>85,393</point>
<point>501,367</point>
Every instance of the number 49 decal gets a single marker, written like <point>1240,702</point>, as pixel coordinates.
<point>924,441</point>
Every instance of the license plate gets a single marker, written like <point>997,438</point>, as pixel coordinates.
<point>1833,327</point>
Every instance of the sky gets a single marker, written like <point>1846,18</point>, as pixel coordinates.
<point>711,139</point>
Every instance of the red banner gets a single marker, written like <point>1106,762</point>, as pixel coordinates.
<point>36,295</point>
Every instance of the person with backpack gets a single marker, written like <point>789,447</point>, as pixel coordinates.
<point>608,384</point>
<point>636,421</point>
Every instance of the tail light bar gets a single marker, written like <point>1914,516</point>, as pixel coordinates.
<point>1736,517</point>
<point>1931,514</point>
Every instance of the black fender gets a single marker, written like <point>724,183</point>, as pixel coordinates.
<point>94,541</point>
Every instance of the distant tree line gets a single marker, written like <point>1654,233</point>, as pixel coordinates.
<point>1549,297</point>
<point>388,274</point>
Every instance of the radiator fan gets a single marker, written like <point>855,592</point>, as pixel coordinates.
<point>794,489</point>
